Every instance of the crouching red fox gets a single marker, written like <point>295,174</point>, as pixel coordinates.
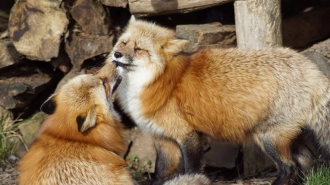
<point>271,96</point>
<point>81,140</point>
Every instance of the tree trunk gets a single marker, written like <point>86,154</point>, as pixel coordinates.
<point>258,25</point>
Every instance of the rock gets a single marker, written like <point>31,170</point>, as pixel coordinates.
<point>115,3</point>
<point>255,160</point>
<point>22,84</point>
<point>8,54</point>
<point>93,18</point>
<point>6,117</point>
<point>74,72</point>
<point>143,147</point>
<point>322,48</point>
<point>207,35</point>
<point>321,62</point>
<point>18,92</point>
<point>29,129</point>
<point>81,47</point>
<point>3,20</point>
<point>37,27</point>
<point>307,27</point>
<point>221,155</point>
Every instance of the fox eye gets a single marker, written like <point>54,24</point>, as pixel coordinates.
<point>140,51</point>
<point>122,44</point>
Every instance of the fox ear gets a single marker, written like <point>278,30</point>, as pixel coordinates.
<point>49,105</point>
<point>132,19</point>
<point>175,46</point>
<point>85,122</point>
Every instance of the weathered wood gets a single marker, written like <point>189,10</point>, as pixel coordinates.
<point>258,23</point>
<point>115,3</point>
<point>207,35</point>
<point>306,27</point>
<point>36,28</point>
<point>157,7</point>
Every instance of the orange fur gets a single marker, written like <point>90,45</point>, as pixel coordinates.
<point>229,94</point>
<point>61,154</point>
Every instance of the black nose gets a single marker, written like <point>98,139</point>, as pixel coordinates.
<point>118,54</point>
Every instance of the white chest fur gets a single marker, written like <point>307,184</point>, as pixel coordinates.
<point>129,94</point>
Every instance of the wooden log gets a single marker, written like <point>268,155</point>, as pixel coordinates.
<point>258,25</point>
<point>157,7</point>
<point>115,3</point>
<point>207,35</point>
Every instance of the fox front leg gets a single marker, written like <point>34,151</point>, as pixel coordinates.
<point>191,147</point>
<point>169,161</point>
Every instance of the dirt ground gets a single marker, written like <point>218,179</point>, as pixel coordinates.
<point>9,174</point>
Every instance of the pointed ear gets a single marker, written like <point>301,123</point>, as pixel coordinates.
<point>85,122</point>
<point>175,46</point>
<point>132,19</point>
<point>49,105</point>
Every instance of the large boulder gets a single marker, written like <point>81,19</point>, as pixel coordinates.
<point>37,27</point>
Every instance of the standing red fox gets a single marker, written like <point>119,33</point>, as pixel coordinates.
<point>271,96</point>
<point>81,140</point>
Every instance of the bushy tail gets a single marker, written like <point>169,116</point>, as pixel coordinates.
<point>191,179</point>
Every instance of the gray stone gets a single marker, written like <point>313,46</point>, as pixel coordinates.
<point>8,54</point>
<point>29,129</point>
<point>81,47</point>
<point>91,16</point>
<point>37,27</point>
<point>255,160</point>
<point>207,35</point>
<point>322,48</point>
<point>321,62</point>
<point>18,92</point>
<point>221,155</point>
<point>306,27</point>
<point>143,147</point>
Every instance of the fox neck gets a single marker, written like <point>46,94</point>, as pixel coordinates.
<point>143,99</point>
<point>103,135</point>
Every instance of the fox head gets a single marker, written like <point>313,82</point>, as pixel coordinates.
<point>82,109</point>
<point>146,47</point>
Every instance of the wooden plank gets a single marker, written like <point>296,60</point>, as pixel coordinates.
<point>157,7</point>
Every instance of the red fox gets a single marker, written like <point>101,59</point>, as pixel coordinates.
<point>81,141</point>
<point>271,96</point>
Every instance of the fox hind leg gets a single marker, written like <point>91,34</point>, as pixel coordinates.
<point>278,148</point>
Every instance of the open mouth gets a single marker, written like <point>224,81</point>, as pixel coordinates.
<point>125,66</point>
<point>115,86</point>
